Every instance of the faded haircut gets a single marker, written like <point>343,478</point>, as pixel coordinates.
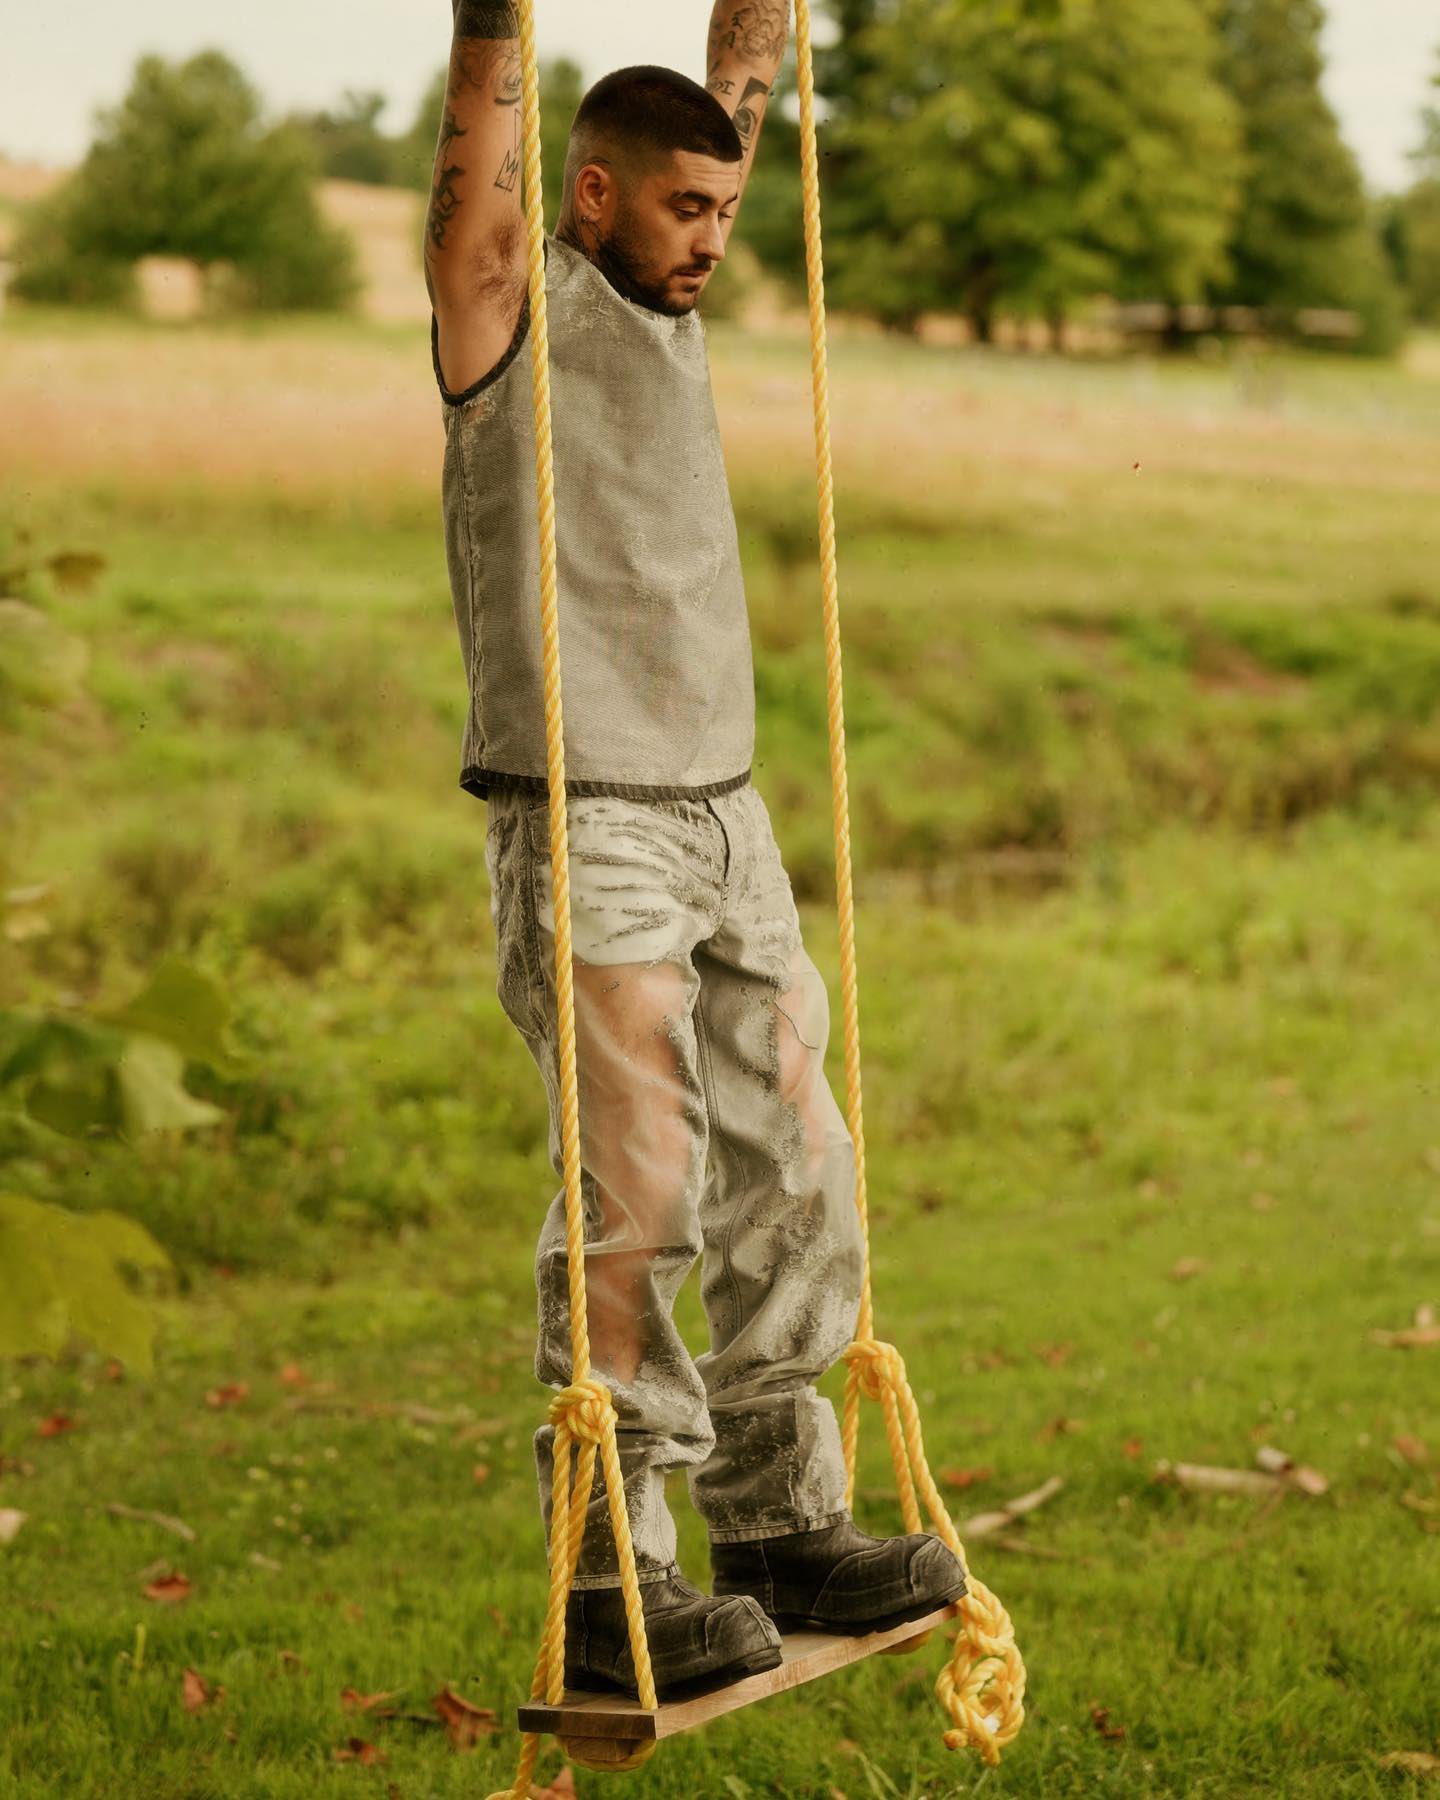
<point>643,115</point>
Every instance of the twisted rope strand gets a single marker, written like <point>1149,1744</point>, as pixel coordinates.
<point>983,1686</point>
<point>583,1411</point>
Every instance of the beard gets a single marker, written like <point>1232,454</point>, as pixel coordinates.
<point>620,255</point>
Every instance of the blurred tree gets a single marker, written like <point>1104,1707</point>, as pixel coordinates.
<point>1305,236</point>
<point>349,144</point>
<point>183,167</point>
<point>1026,154</point>
<point>1412,226</point>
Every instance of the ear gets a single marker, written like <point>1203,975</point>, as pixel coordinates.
<point>594,186</point>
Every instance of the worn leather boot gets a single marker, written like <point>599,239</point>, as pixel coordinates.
<point>838,1578</point>
<point>696,1643</point>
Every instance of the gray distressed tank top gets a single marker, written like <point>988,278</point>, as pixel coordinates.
<point>655,655</point>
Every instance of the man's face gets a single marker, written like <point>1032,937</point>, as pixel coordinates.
<point>660,232</point>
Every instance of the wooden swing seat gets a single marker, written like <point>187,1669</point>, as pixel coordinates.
<point>595,1719</point>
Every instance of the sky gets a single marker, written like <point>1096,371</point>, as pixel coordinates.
<point>62,61</point>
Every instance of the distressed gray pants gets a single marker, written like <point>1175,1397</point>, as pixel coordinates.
<point>707,1130</point>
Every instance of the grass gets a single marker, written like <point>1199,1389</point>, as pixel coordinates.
<point>1143,770</point>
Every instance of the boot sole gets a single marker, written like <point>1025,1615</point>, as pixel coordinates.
<point>586,1681</point>
<point>784,1622</point>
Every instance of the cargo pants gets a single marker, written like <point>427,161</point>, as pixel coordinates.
<point>708,1131</point>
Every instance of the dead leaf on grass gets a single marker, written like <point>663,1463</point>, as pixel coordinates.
<point>1132,1447</point>
<point>54,1425</point>
<point>196,1692</point>
<point>354,1701</point>
<point>481,1473</point>
<point>357,1750</point>
<point>1187,1268</point>
<point>1416,1453</point>
<point>1055,1355</point>
<point>231,1394</point>
<point>464,1723</point>
<point>964,1478</point>
<point>1100,1719</point>
<point>10,1523</point>
<point>1058,1427</point>
<point>294,1376</point>
<point>170,1589</point>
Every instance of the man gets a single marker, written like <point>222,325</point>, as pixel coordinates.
<point>707,1125</point>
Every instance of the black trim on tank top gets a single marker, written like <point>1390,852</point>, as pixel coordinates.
<point>478,781</point>
<point>522,330</point>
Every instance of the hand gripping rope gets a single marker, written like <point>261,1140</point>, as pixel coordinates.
<point>982,1687</point>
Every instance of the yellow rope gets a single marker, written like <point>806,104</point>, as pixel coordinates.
<point>983,1686</point>
<point>583,1411</point>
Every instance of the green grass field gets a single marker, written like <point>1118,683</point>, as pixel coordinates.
<point>1143,697</point>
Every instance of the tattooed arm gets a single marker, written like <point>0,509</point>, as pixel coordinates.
<point>474,227</point>
<point>747,46</point>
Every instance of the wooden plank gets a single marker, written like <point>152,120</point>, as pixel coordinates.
<point>804,1656</point>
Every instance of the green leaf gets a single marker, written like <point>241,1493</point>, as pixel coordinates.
<point>34,1044</point>
<point>184,1008</point>
<point>78,1107</point>
<point>60,1273</point>
<point>151,1094</point>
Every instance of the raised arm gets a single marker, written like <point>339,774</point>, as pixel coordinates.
<point>474,226</point>
<point>747,46</point>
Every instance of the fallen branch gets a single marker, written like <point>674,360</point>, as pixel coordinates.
<point>986,1524</point>
<point>1278,1474</point>
<point>1196,1478</point>
<point>1424,1334</point>
<point>163,1520</point>
<point>383,1409</point>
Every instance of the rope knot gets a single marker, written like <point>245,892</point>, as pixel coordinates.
<point>584,1410</point>
<point>877,1366</point>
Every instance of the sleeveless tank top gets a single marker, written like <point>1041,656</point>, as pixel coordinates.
<point>655,654</point>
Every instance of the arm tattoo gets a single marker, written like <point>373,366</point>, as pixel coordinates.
<point>488,66</point>
<point>717,84</point>
<point>444,201</point>
<point>756,32</point>
<point>747,114</point>
<point>510,167</point>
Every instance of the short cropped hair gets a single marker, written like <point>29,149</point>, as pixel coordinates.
<point>649,113</point>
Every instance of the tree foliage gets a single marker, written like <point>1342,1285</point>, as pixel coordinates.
<point>1305,235</point>
<point>185,167</point>
<point>349,144</point>
<point>1024,155</point>
<point>1413,224</point>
